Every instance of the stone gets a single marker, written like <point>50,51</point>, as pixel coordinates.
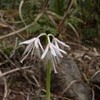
<point>68,81</point>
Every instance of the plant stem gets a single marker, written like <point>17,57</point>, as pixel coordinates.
<point>48,80</point>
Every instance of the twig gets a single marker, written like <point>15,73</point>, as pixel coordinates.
<point>20,11</point>
<point>32,75</point>
<point>93,94</point>
<point>73,28</point>
<point>71,83</point>
<point>22,29</point>
<point>60,26</point>
<point>15,47</point>
<point>14,70</point>
<point>7,58</point>
<point>33,23</point>
<point>95,74</point>
<point>28,97</point>
<point>97,86</point>
<point>5,87</point>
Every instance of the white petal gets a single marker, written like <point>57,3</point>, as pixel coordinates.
<point>28,48</point>
<point>61,50</point>
<point>52,49</point>
<point>57,48</point>
<point>45,52</point>
<point>33,49</point>
<point>58,59</point>
<point>36,43</point>
<point>62,43</point>
<point>28,41</point>
<point>26,55</point>
<point>40,45</point>
<point>54,64</point>
<point>56,44</point>
<point>37,52</point>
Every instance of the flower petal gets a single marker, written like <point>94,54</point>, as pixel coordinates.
<point>45,52</point>
<point>33,49</point>
<point>61,50</point>
<point>52,49</point>
<point>57,50</point>
<point>25,56</point>
<point>28,48</point>
<point>54,63</point>
<point>62,43</point>
<point>36,43</point>
<point>40,45</point>
<point>28,41</point>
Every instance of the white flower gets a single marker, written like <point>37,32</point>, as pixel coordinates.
<point>34,46</point>
<point>53,51</point>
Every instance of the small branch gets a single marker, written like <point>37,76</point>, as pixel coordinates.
<point>71,83</point>
<point>61,24</point>
<point>28,26</point>
<point>5,87</point>
<point>14,70</point>
<point>7,58</point>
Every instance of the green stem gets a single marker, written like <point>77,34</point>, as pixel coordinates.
<point>48,80</point>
